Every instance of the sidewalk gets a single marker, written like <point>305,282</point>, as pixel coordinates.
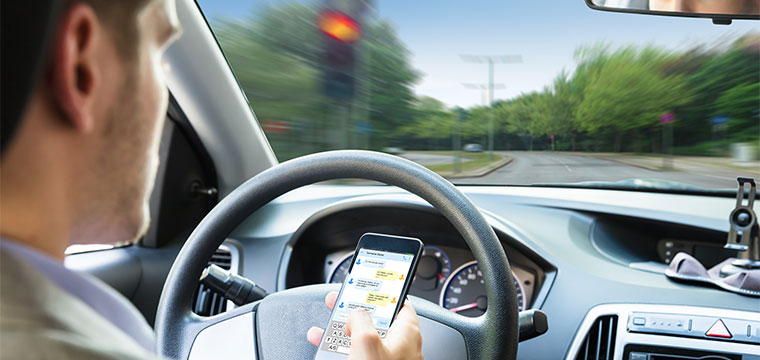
<point>691,164</point>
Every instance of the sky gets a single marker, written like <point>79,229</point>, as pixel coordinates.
<point>545,33</point>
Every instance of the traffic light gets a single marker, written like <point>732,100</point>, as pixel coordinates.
<point>339,26</point>
<point>341,34</point>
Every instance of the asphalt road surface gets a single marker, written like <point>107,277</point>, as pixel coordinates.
<point>547,167</point>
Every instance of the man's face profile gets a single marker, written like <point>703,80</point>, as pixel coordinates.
<point>82,161</point>
<point>130,129</point>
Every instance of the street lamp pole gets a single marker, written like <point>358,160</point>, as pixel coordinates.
<point>488,90</point>
<point>490,105</point>
<point>491,60</point>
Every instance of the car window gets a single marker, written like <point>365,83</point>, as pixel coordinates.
<point>503,92</point>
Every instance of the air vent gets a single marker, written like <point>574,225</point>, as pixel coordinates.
<point>599,343</point>
<point>206,301</point>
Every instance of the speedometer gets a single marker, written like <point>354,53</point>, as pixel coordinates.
<point>465,291</point>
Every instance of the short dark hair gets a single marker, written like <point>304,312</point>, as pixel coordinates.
<point>26,33</point>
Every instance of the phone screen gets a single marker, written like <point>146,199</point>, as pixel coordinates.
<point>375,283</point>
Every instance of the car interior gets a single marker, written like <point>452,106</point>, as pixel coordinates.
<point>544,269</point>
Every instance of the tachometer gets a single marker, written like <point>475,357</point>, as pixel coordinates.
<point>465,291</point>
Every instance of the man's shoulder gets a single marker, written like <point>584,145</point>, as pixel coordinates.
<point>40,320</point>
<point>51,343</point>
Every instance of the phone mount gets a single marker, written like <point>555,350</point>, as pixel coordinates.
<point>744,235</point>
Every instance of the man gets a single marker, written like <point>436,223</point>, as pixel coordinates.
<point>80,134</point>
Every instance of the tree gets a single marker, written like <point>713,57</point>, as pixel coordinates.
<point>741,104</point>
<point>559,105</point>
<point>390,76</point>
<point>431,122</point>
<point>527,115</point>
<point>720,72</point>
<point>625,90</point>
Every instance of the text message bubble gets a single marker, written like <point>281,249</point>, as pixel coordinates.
<point>386,275</point>
<point>378,299</point>
<point>368,308</point>
<point>375,263</point>
<point>368,284</point>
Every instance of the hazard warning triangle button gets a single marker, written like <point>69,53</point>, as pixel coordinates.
<point>719,330</point>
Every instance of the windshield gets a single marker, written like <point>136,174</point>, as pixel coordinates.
<point>503,92</point>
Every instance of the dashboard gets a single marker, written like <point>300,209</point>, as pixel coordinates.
<point>590,259</point>
<point>447,276</point>
<point>447,273</point>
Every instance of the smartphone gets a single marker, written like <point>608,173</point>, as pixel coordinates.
<point>378,279</point>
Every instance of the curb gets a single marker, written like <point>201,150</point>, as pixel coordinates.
<point>480,172</point>
<point>634,164</point>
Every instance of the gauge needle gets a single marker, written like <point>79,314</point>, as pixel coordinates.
<point>440,276</point>
<point>464,307</point>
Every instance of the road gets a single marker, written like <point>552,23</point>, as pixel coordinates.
<point>547,167</point>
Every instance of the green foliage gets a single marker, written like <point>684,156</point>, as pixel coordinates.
<point>431,121</point>
<point>741,106</point>
<point>620,94</point>
<point>389,78</point>
<point>625,90</point>
<point>711,74</point>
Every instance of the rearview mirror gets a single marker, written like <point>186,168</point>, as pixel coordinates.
<point>721,11</point>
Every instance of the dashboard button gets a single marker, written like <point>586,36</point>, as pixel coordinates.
<point>639,321</point>
<point>720,330</point>
<point>743,330</point>
<point>638,356</point>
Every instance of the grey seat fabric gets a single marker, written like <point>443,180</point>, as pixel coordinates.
<point>100,297</point>
<point>685,267</point>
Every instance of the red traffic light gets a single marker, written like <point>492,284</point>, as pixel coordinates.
<point>339,26</point>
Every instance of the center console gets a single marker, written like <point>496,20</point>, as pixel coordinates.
<point>666,332</point>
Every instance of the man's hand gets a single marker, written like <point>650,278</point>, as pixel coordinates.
<point>403,340</point>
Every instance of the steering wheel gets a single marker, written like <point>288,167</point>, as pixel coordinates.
<point>275,327</point>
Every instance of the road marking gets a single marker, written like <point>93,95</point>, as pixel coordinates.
<point>565,165</point>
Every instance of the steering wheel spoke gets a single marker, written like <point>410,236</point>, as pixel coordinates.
<point>201,336</point>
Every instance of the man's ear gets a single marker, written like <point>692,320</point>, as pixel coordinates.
<point>73,70</point>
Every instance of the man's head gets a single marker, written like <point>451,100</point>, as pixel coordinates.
<point>92,124</point>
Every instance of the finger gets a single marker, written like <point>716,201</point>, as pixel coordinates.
<point>358,320</point>
<point>404,333</point>
<point>330,299</point>
<point>407,312</point>
<point>365,342</point>
<point>314,335</point>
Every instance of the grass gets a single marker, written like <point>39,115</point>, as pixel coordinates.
<point>470,161</point>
